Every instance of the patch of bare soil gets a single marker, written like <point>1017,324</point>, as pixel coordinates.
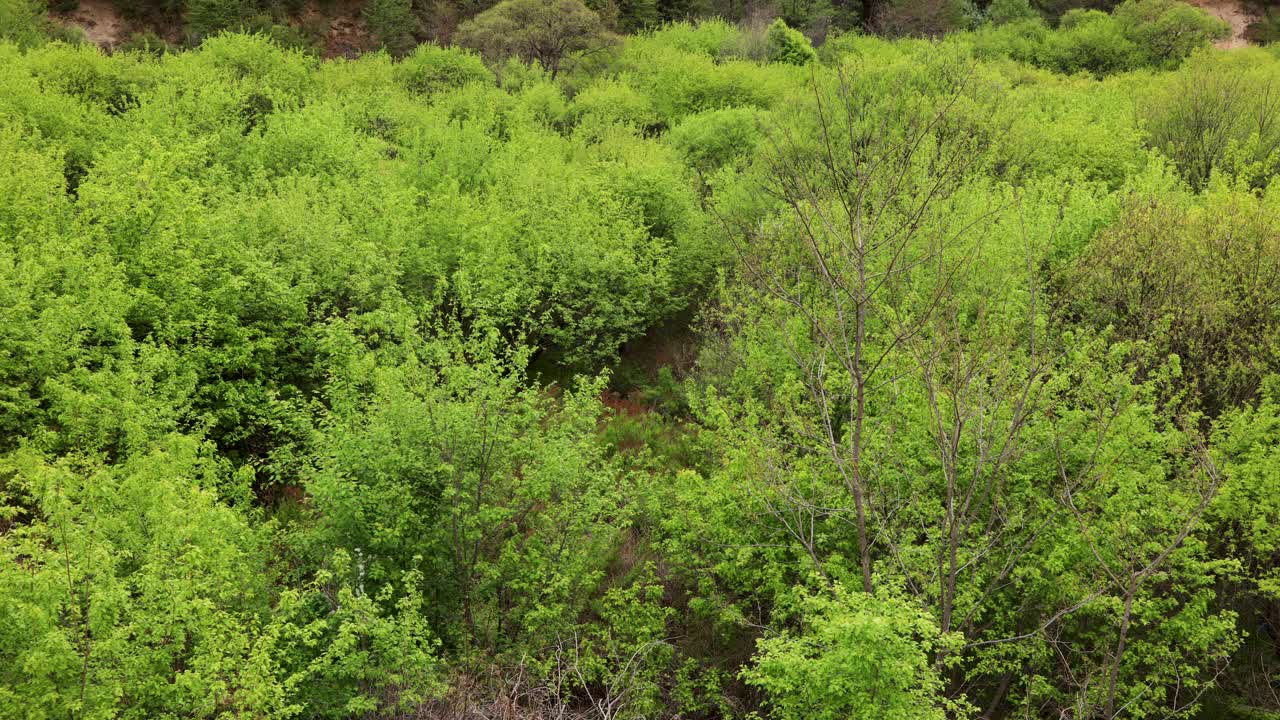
<point>342,30</point>
<point>100,21</point>
<point>1235,14</point>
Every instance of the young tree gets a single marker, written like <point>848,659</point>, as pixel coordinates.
<point>859,197</point>
<point>542,31</point>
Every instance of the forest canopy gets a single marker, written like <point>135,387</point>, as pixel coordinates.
<point>609,364</point>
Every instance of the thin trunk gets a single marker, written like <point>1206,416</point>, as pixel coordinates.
<point>859,417</point>
<point>998,697</point>
<point>1120,645</point>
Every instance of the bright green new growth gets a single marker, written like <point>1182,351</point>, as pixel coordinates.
<point>857,656</point>
<point>918,380</point>
<point>785,45</point>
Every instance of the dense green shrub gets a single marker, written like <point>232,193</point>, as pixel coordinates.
<point>547,32</point>
<point>1140,33</point>
<point>716,138</point>
<point>1089,41</point>
<point>22,22</point>
<point>923,18</point>
<point>431,69</point>
<point>1215,309</point>
<point>788,46</point>
<point>392,24</point>
<point>613,102</point>
<point>147,43</point>
<point>920,382</point>
<point>713,37</point>
<point>680,83</point>
<point>1168,31</point>
<point>1218,114</point>
<point>206,18</point>
<point>1003,12</point>
<point>835,667</point>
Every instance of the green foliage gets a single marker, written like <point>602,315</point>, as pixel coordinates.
<point>680,83</point>
<point>22,22</point>
<point>714,139</point>
<point>857,655</point>
<point>713,37</point>
<point>365,654</point>
<point>392,23</point>
<point>1217,115</point>
<point>1217,260</point>
<point>432,69</point>
<point>542,31</point>
<point>206,18</point>
<point>927,18</point>
<point>922,379</point>
<point>613,102</point>
<point>1168,31</point>
<point>1140,33</point>
<point>1003,12</point>
<point>788,46</point>
<point>147,43</point>
<point>142,594</point>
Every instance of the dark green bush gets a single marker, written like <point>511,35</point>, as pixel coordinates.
<point>1003,12</point>
<point>146,43</point>
<point>1167,31</point>
<point>392,24</point>
<point>1089,41</point>
<point>206,18</point>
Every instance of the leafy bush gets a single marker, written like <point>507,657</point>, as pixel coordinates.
<point>713,139</point>
<point>306,368</point>
<point>788,46</point>
<point>679,83</point>
<point>206,18</point>
<point>542,31</point>
<point>392,23</point>
<point>431,69</point>
<point>1218,114</point>
<point>1140,33</point>
<point>146,43</point>
<point>1003,12</point>
<point>928,18</point>
<point>1089,41</point>
<point>1215,307</point>
<point>858,655</point>
<point>1167,30</point>
<point>22,22</point>
<point>714,38</point>
<point>610,102</point>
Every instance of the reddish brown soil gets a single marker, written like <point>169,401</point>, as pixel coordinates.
<point>100,21</point>
<point>630,404</point>
<point>345,33</point>
<point>1235,14</point>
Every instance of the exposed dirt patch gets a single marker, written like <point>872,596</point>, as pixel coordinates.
<point>631,404</point>
<point>348,37</point>
<point>101,22</point>
<point>342,30</point>
<point>1235,14</point>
